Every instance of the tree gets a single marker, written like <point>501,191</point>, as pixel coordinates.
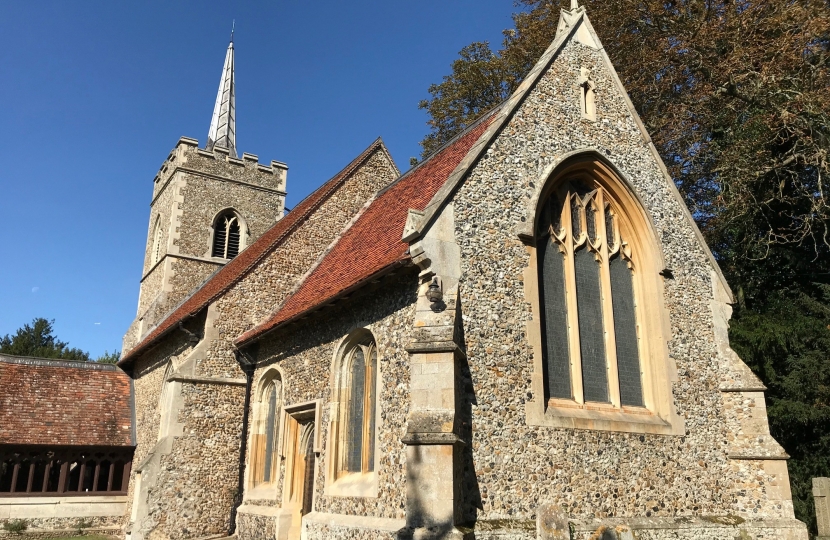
<point>736,97</point>
<point>36,339</point>
<point>109,357</point>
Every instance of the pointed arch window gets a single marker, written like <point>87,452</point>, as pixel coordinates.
<point>590,330</point>
<point>266,430</point>
<point>155,255</point>
<point>354,430</point>
<point>226,236</point>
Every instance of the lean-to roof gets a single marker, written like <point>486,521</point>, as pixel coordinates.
<point>63,403</point>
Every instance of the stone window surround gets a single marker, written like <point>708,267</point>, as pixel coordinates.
<point>355,484</point>
<point>658,416</point>
<point>264,490</point>
<point>244,233</point>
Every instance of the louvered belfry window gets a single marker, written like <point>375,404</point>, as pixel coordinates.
<point>355,429</point>
<point>226,233</point>
<point>587,298</point>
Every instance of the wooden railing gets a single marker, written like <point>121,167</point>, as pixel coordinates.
<point>60,471</point>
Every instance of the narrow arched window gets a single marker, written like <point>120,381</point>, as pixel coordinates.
<point>226,236</point>
<point>587,95</point>
<point>355,429</point>
<point>155,254</point>
<point>264,439</point>
<point>586,266</point>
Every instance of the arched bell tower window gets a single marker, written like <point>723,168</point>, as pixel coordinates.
<point>155,255</point>
<point>599,328</point>
<point>226,236</point>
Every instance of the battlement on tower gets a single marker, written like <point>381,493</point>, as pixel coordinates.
<point>218,164</point>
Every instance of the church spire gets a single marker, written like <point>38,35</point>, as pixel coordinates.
<point>222,132</point>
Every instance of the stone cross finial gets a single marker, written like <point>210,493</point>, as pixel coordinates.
<point>821,495</point>
<point>574,4</point>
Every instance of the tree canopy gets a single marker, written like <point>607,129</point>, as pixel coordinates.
<point>37,339</point>
<point>736,97</point>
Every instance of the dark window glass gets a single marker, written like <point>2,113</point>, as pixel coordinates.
<point>354,446</point>
<point>609,228</point>
<point>576,223</point>
<point>270,422</point>
<point>591,336</point>
<point>591,222</point>
<point>370,401</point>
<point>233,239</point>
<point>554,320</point>
<point>625,329</point>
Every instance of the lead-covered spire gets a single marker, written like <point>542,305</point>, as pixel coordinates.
<point>222,132</point>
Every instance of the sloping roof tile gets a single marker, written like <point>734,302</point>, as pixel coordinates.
<point>373,241</point>
<point>58,403</point>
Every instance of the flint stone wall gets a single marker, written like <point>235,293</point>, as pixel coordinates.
<point>195,490</point>
<point>588,473</point>
<point>304,354</point>
<point>263,289</point>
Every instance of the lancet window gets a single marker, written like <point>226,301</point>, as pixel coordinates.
<point>587,275</point>
<point>226,236</point>
<point>266,430</point>
<point>355,425</point>
<point>156,253</point>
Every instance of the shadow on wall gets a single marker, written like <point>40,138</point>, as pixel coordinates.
<point>467,493</point>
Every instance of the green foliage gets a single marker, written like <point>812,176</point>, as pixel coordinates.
<point>734,96</point>
<point>786,341</point>
<point>36,339</point>
<point>476,85</point>
<point>109,357</point>
<point>17,526</point>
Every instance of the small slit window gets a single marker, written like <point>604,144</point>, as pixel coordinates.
<point>226,236</point>
<point>155,255</point>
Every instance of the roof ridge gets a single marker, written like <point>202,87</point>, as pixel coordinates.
<point>270,323</point>
<point>300,282</point>
<point>444,146</point>
<point>55,362</point>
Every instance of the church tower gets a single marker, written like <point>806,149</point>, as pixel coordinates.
<point>208,205</point>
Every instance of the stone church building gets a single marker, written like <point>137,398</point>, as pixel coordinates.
<point>522,337</point>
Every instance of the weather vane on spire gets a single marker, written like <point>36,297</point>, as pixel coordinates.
<point>233,27</point>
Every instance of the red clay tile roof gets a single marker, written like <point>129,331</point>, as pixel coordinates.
<point>57,403</point>
<point>373,242</point>
<point>224,278</point>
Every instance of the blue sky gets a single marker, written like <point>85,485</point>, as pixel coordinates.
<point>96,94</point>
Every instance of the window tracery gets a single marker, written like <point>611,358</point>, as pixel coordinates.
<point>226,236</point>
<point>587,297</point>
<point>354,432</point>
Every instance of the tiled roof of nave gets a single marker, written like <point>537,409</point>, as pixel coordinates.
<point>373,242</point>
